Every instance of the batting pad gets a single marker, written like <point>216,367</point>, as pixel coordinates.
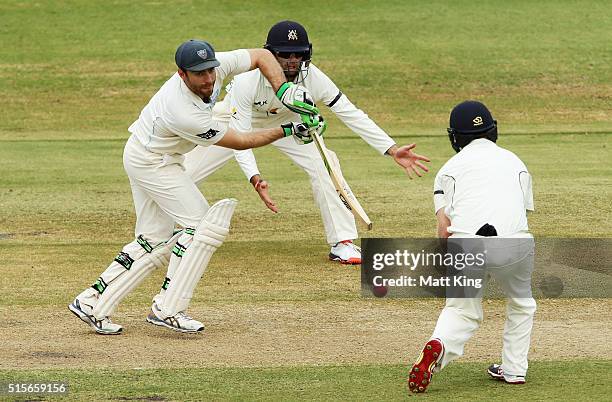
<point>209,235</point>
<point>178,251</point>
<point>124,284</point>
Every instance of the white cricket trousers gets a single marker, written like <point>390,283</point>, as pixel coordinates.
<point>461,317</point>
<point>338,221</point>
<point>164,194</point>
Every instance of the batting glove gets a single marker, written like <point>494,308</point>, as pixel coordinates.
<point>297,99</point>
<point>299,131</point>
<point>315,122</point>
<point>311,120</point>
<point>321,127</point>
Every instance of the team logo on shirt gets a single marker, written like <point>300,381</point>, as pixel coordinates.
<point>260,103</point>
<point>202,53</point>
<point>477,121</point>
<point>292,35</point>
<point>209,134</point>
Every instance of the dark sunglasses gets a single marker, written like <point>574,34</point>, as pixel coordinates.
<point>286,55</point>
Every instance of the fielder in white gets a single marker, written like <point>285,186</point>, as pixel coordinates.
<point>483,192</point>
<point>250,102</point>
<point>176,119</point>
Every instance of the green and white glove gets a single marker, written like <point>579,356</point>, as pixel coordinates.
<point>299,131</point>
<point>315,122</point>
<point>321,127</point>
<point>297,99</point>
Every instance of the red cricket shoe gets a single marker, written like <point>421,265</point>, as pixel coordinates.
<point>422,370</point>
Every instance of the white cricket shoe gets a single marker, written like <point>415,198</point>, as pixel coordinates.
<point>179,322</point>
<point>496,372</point>
<point>104,326</point>
<point>346,252</point>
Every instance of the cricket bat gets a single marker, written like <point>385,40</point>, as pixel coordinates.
<point>342,188</point>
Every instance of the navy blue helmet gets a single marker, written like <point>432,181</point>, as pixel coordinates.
<point>470,120</point>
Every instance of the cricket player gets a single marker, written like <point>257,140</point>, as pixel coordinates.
<point>484,193</point>
<point>251,102</point>
<point>176,119</point>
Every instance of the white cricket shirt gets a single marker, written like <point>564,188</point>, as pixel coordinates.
<point>176,120</point>
<point>252,103</point>
<point>484,183</point>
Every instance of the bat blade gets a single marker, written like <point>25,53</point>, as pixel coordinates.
<point>346,195</point>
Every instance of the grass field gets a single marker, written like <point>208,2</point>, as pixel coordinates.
<point>282,321</point>
<point>372,382</point>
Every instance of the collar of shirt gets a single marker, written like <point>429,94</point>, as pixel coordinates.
<point>193,97</point>
<point>480,142</point>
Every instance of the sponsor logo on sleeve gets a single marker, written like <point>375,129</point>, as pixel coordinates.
<point>209,134</point>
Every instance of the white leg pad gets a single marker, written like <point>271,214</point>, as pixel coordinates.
<point>209,235</point>
<point>125,259</point>
<point>179,249</point>
<point>125,283</point>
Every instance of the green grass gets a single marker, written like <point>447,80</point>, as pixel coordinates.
<point>551,380</point>
<point>75,187</point>
<point>72,69</point>
<point>74,75</point>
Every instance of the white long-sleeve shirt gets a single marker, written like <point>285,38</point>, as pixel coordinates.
<point>176,120</point>
<point>252,103</point>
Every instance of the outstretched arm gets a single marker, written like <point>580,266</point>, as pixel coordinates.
<point>255,139</point>
<point>269,67</point>
<point>359,122</point>
<point>258,138</point>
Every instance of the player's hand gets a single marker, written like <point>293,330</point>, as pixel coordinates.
<point>262,188</point>
<point>297,99</point>
<point>410,161</point>
<point>314,121</point>
<point>319,128</point>
<point>299,131</point>
<point>311,120</point>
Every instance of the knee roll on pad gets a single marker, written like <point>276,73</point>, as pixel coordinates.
<point>209,235</point>
<point>212,235</point>
<point>125,283</point>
